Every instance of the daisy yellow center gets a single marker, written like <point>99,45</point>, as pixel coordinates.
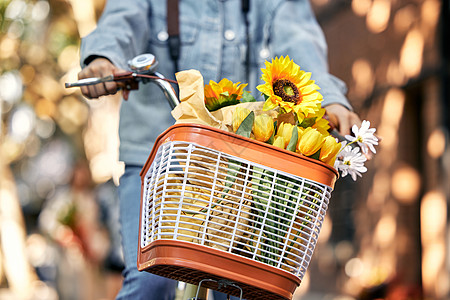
<point>286,90</point>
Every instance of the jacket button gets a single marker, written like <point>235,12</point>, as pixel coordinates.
<point>229,35</point>
<point>162,36</point>
<point>264,53</point>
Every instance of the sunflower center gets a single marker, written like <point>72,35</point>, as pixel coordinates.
<point>286,90</point>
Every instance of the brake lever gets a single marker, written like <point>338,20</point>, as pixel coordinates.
<point>128,78</point>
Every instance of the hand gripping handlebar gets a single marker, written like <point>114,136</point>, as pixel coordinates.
<point>143,68</point>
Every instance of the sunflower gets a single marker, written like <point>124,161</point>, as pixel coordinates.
<point>224,93</point>
<point>287,86</point>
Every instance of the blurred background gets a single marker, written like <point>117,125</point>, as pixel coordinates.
<point>385,237</point>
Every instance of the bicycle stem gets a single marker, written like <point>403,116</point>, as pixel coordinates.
<point>167,89</point>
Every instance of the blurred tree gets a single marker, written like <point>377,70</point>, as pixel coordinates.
<point>42,124</point>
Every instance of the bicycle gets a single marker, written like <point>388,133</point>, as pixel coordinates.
<point>217,213</point>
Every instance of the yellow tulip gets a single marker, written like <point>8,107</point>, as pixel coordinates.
<point>279,142</point>
<point>285,130</point>
<point>263,127</point>
<point>329,150</point>
<point>239,114</point>
<point>310,141</point>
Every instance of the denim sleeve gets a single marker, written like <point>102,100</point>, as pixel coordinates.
<point>295,31</point>
<point>121,34</point>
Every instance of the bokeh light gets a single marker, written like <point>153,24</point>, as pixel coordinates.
<point>354,267</point>
<point>361,7</point>
<point>10,87</point>
<point>436,143</point>
<point>364,78</point>
<point>40,11</point>
<point>378,15</point>
<point>385,230</point>
<point>412,52</point>
<point>390,118</point>
<point>405,18</point>
<point>22,123</point>
<point>16,9</point>
<point>406,184</point>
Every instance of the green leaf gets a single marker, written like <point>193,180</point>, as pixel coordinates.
<point>316,155</point>
<point>271,139</point>
<point>245,128</point>
<point>308,122</point>
<point>228,100</point>
<point>224,100</point>
<point>293,142</point>
<point>247,97</point>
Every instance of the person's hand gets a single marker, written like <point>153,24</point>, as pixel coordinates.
<point>99,67</point>
<point>342,118</point>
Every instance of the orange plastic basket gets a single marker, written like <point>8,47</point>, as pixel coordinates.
<point>216,205</point>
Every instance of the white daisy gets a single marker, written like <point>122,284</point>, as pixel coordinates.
<point>350,161</point>
<point>364,136</point>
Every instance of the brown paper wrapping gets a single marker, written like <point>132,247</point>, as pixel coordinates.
<point>192,108</point>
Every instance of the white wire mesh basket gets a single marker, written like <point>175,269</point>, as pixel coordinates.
<point>194,191</point>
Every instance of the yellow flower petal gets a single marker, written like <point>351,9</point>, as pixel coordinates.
<point>285,131</point>
<point>239,114</point>
<point>308,89</point>
<point>224,93</point>
<point>279,142</point>
<point>269,105</point>
<point>263,127</point>
<point>329,150</point>
<point>287,86</point>
<point>321,124</point>
<point>313,97</point>
<point>310,142</point>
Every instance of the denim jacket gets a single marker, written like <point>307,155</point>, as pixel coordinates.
<point>213,41</point>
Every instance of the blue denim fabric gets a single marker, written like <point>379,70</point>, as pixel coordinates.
<point>137,285</point>
<point>140,285</point>
<point>277,27</point>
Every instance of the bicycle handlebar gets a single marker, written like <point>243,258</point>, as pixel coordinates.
<point>143,69</point>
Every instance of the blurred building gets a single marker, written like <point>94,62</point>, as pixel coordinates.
<point>392,226</point>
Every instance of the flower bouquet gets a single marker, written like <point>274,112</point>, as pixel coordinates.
<point>292,100</point>
<point>245,180</point>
